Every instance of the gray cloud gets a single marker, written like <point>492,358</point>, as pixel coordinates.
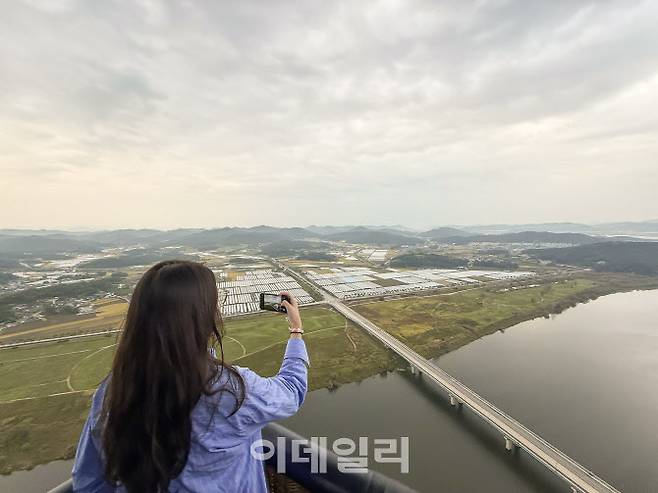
<point>208,113</point>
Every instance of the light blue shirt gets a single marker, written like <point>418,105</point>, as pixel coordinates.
<point>220,459</point>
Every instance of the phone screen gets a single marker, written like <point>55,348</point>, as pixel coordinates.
<point>272,302</point>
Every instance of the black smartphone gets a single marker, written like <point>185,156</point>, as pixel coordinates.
<point>272,302</point>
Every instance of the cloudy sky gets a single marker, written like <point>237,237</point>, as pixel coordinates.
<point>185,114</point>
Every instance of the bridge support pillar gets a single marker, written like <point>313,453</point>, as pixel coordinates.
<point>454,401</point>
<point>509,444</point>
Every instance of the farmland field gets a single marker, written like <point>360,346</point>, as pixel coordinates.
<point>45,388</point>
<point>108,316</point>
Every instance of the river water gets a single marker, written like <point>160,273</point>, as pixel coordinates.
<point>586,380</point>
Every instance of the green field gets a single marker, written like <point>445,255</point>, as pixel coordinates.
<point>45,388</point>
<point>109,315</point>
<point>434,325</point>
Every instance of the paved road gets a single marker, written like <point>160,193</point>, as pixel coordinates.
<point>60,338</point>
<point>578,477</point>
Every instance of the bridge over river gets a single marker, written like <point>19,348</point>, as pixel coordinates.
<point>579,478</point>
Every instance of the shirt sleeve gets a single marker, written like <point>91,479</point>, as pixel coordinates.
<point>88,468</point>
<point>277,397</point>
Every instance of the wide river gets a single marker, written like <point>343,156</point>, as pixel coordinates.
<point>586,380</point>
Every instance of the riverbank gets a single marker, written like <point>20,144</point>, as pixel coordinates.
<point>436,325</point>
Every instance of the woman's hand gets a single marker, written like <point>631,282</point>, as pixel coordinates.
<point>292,309</point>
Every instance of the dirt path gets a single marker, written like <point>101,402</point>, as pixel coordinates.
<point>68,379</point>
<point>46,356</point>
<point>43,396</point>
<point>285,340</point>
<point>349,337</point>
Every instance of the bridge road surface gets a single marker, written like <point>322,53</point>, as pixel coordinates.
<point>578,477</point>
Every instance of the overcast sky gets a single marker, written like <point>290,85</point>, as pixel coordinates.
<point>187,114</point>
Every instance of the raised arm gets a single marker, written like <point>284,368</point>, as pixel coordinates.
<point>280,396</point>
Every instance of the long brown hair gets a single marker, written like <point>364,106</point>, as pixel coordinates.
<point>161,369</point>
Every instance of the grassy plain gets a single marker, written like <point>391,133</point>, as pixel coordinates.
<point>108,316</point>
<point>339,351</point>
<point>434,325</point>
<point>45,388</point>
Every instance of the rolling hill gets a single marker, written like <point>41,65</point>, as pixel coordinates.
<point>444,232</point>
<point>528,237</point>
<point>45,244</point>
<point>614,256</point>
<point>374,237</point>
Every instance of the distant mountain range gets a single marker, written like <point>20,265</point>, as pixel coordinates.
<point>616,228</point>
<point>14,242</point>
<point>325,230</point>
<point>384,237</point>
<point>34,244</point>
<point>528,237</point>
<point>639,258</point>
<point>445,232</point>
